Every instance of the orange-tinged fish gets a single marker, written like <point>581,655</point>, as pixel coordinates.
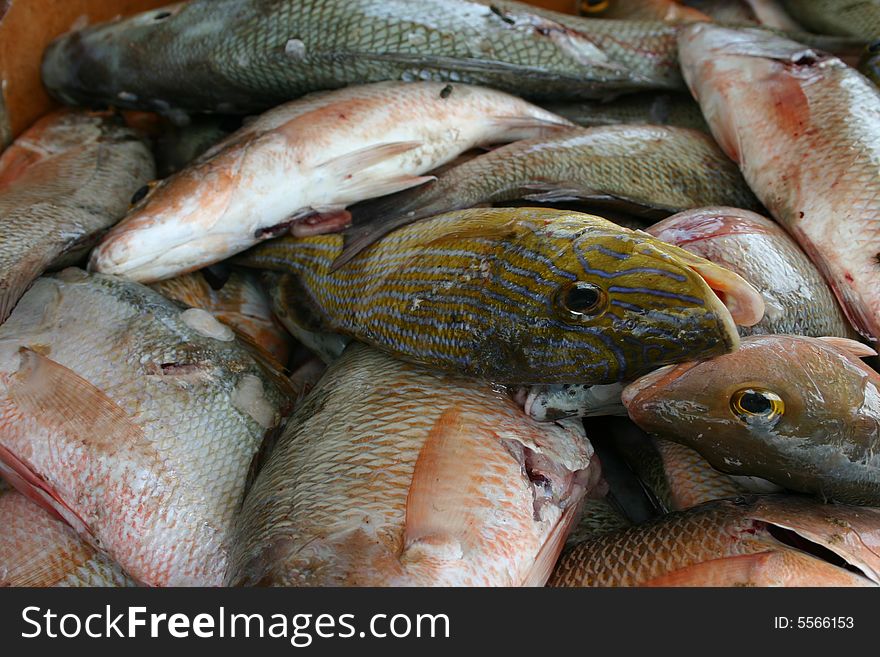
<point>391,474</point>
<point>643,10</point>
<point>37,549</point>
<point>62,183</point>
<point>299,165</point>
<point>240,303</point>
<point>805,129</point>
<point>134,420</point>
<point>749,541</point>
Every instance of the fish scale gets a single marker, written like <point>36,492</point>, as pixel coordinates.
<point>424,293</point>
<point>336,502</point>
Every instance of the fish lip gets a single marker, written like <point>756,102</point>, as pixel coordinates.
<point>658,378</point>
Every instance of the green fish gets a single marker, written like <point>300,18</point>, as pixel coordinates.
<point>518,295</point>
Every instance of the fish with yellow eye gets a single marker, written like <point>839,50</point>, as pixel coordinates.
<point>801,412</point>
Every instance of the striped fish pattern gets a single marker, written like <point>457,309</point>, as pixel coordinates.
<point>506,295</point>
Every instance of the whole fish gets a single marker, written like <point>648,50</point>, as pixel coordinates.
<point>240,303</point>
<point>657,10</point>
<point>299,165</point>
<point>675,109</point>
<point>62,183</point>
<point>858,18</point>
<point>248,55</point>
<point>390,474</point>
<point>134,420</point>
<point>643,166</point>
<point>517,295</point>
<point>801,412</point>
<point>797,299</point>
<point>742,542</point>
<point>776,106</point>
<point>37,549</point>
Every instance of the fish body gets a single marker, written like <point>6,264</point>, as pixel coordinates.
<point>517,295</point>
<point>797,300</point>
<point>859,18</point>
<point>674,109</point>
<point>306,161</point>
<point>137,422</point>
<point>729,543</point>
<point>248,55</point>
<point>818,121</point>
<point>598,516</point>
<point>37,549</point>
<point>801,412</point>
<point>62,184</point>
<point>390,474</point>
<point>240,303</point>
<point>643,166</point>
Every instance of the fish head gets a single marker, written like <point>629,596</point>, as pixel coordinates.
<point>610,303</point>
<point>175,225</point>
<point>779,407</point>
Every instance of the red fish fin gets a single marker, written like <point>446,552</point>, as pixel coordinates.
<point>70,405</point>
<point>548,555</point>
<point>439,494</point>
<point>740,570</point>
<point>35,488</point>
<point>852,347</point>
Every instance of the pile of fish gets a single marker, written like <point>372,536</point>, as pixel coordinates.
<point>459,292</point>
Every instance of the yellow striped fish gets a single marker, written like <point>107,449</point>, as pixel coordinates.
<point>518,295</point>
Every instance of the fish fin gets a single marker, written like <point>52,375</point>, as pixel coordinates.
<point>852,347</point>
<point>541,569</point>
<point>72,406</point>
<point>530,123</point>
<point>437,504</point>
<point>30,484</point>
<point>364,158</point>
<point>739,570</point>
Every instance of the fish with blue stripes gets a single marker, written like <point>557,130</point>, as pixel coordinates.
<point>517,295</point>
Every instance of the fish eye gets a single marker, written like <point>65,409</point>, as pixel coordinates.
<point>142,193</point>
<point>593,6</point>
<point>756,403</point>
<point>581,300</point>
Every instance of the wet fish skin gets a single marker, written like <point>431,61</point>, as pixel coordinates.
<point>858,18</point>
<point>820,439</point>
<point>819,121</point>
<point>675,109</point>
<point>137,422</point>
<point>233,56</point>
<point>240,302</point>
<point>390,474</point>
<point>554,402</point>
<point>646,166</point>
<point>39,550</point>
<point>598,516</point>
<point>294,169</point>
<point>483,292</point>
<point>62,184</point>
<point>728,543</point>
<point>797,299</point>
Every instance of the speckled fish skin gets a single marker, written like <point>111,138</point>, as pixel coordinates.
<point>816,120</point>
<point>823,441</point>
<point>554,402</point>
<point>728,543</point>
<point>797,299</point>
<point>675,109</point>
<point>62,183</point>
<point>653,167</point>
<point>240,303</point>
<point>310,157</point>
<point>859,18</point>
<point>37,549</point>
<point>390,474</point>
<point>483,292</point>
<point>248,55</point>
<point>137,421</point>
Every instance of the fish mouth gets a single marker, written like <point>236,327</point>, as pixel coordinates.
<point>657,380</point>
<point>744,303</point>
